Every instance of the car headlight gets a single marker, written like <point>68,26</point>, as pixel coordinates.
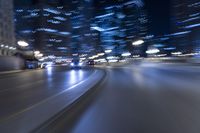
<point>72,64</point>
<point>80,63</point>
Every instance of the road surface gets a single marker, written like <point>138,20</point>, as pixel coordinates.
<point>145,98</point>
<point>21,91</point>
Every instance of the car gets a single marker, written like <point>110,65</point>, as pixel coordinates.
<point>31,64</point>
<point>91,63</point>
<point>76,64</point>
<point>43,66</point>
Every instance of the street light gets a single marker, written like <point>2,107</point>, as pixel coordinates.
<point>39,55</point>
<point>126,54</point>
<point>112,57</point>
<point>108,51</point>
<point>153,51</point>
<point>22,43</point>
<point>37,52</point>
<point>112,61</point>
<point>83,58</point>
<point>138,42</point>
<point>101,54</point>
<point>95,56</point>
<point>176,53</point>
<point>91,58</point>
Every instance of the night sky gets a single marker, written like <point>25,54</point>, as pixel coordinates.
<point>159,13</point>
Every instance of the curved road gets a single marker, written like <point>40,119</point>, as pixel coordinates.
<point>146,98</point>
<point>20,91</point>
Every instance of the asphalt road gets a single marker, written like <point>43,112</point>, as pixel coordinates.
<point>146,98</point>
<point>20,91</point>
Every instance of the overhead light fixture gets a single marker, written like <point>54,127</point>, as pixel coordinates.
<point>101,54</point>
<point>108,51</point>
<point>176,53</point>
<point>22,43</point>
<point>83,55</point>
<point>90,58</point>
<point>122,61</point>
<point>36,52</point>
<point>161,55</point>
<point>112,61</point>
<point>136,56</point>
<point>83,58</point>
<point>153,51</point>
<point>40,55</point>
<point>112,57</point>
<point>76,54</point>
<point>95,56</point>
<point>126,54</point>
<point>102,60</point>
<point>138,42</point>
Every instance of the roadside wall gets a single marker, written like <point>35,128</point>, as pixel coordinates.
<point>8,63</point>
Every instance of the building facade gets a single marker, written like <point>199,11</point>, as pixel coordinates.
<point>7,35</point>
<point>86,27</point>
<point>186,26</point>
<point>121,22</point>
<point>44,25</point>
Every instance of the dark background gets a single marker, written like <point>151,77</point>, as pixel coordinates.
<point>159,14</point>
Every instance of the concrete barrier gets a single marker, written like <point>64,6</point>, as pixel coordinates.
<point>9,63</point>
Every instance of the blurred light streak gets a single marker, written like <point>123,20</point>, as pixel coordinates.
<point>153,51</point>
<point>138,42</point>
<point>126,54</point>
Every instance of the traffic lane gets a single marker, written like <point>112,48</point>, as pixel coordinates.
<point>33,117</point>
<point>141,100</point>
<point>42,84</point>
<point>10,81</point>
<point>27,76</point>
<point>174,68</point>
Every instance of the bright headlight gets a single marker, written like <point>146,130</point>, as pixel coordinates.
<point>72,64</point>
<point>80,63</point>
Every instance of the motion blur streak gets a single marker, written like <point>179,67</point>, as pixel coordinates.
<point>145,98</point>
<point>22,90</point>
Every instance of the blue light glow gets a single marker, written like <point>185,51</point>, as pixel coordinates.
<point>192,26</point>
<point>97,28</point>
<point>139,3</point>
<point>52,11</point>
<point>60,18</point>
<point>53,21</point>
<point>170,48</point>
<point>64,33</point>
<point>179,33</point>
<point>47,30</point>
<point>105,15</point>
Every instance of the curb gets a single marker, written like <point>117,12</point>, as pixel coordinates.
<point>70,110</point>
